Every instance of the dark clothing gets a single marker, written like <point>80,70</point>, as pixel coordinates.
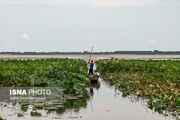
<point>91,65</point>
<point>91,69</point>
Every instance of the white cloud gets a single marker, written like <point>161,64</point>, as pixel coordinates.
<point>92,3</point>
<point>25,36</point>
<point>152,41</point>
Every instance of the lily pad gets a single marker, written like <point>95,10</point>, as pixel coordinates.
<point>20,114</point>
<point>35,113</point>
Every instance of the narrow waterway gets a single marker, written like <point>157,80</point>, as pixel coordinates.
<point>107,104</point>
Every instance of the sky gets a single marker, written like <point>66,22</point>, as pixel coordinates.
<point>77,25</point>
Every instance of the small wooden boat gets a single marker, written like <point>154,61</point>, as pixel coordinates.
<point>96,70</point>
<point>94,77</point>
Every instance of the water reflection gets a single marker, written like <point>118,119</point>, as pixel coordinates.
<point>94,85</point>
<point>70,103</point>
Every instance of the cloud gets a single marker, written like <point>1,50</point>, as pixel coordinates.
<point>25,36</point>
<point>92,3</point>
<point>152,41</point>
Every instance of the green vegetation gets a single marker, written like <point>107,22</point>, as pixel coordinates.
<point>24,107</point>
<point>1,118</point>
<point>157,81</point>
<point>20,114</point>
<point>35,113</point>
<point>69,74</point>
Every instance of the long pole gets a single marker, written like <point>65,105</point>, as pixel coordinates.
<point>91,54</point>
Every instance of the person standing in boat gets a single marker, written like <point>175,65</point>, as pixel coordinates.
<point>91,67</point>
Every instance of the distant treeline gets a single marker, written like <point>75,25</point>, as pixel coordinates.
<point>155,52</point>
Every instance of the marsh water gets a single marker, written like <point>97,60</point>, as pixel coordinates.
<point>105,102</point>
<point>86,56</point>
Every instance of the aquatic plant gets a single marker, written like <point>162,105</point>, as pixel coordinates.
<point>156,80</point>
<point>20,114</point>
<point>35,113</point>
<point>69,74</point>
<point>1,118</point>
